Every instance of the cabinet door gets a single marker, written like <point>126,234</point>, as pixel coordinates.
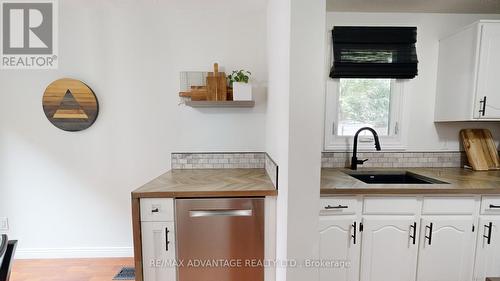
<point>336,243</point>
<point>388,251</point>
<point>158,251</point>
<point>488,84</point>
<point>488,250</point>
<point>446,250</point>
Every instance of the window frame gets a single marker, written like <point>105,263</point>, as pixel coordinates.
<point>334,142</point>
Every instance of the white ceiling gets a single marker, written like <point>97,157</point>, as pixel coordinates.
<point>416,6</point>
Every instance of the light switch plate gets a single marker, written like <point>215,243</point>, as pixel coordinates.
<point>4,224</point>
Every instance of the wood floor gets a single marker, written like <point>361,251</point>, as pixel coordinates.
<point>68,269</point>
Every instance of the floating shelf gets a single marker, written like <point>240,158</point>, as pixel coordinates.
<point>229,103</point>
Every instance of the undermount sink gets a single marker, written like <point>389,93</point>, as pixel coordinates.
<point>403,177</point>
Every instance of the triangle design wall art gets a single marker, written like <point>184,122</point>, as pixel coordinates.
<point>69,108</point>
<point>70,105</point>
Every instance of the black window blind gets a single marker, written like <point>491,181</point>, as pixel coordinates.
<point>374,52</point>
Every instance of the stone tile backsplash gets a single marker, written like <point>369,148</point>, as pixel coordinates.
<point>227,160</point>
<point>329,160</point>
<point>272,170</point>
<point>396,159</point>
<point>261,160</point>
<point>218,160</point>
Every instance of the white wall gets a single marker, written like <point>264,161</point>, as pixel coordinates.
<point>423,134</point>
<point>277,125</point>
<point>306,102</point>
<point>294,126</point>
<point>68,194</point>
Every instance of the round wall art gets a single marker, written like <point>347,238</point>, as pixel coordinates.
<point>70,105</point>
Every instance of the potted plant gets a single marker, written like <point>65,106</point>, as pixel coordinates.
<point>238,80</point>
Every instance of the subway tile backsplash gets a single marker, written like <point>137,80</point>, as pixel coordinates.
<point>396,159</point>
<point>227,160</point>
<point>271,170</point>
<point>261,160</point>
<point>218,160</point>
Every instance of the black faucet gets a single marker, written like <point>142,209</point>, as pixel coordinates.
<point>354,160</point>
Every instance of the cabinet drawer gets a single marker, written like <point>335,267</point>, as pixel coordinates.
<point>449,205</point>
<point>390,205</point>
<point>490,205</point>
<point>339,206</point>
<point>157,209</point>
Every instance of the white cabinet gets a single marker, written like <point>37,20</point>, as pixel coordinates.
<point>388,249</point>
<point>411,238</point>
<point>488,239</point>
<point>488,85</point>
<point>339,238</point>
<point>446,248</point>
<point>158,251</point>
<point>158,239</point>
<point>488,248</point>
<point>468,87</point>
<point>339,241</point>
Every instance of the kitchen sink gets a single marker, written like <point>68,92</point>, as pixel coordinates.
<point>403,177</point>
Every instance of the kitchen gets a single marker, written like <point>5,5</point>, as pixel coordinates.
<point>291,146</point>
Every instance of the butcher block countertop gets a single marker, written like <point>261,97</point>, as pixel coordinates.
<point>208,183</point>
<point>461,181</point>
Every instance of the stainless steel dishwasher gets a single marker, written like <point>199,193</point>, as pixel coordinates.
<point>220,239</point>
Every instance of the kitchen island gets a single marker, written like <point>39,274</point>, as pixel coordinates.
<point>154,212</point>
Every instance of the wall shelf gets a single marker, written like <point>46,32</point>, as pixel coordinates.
<point>242,103</point>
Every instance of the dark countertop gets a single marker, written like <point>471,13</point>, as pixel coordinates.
<point>208,183</point>
<point>461,181</point>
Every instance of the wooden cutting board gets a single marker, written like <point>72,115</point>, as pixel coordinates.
<point>481,150</point>
<point>216,85</point>
<point>197,93</point>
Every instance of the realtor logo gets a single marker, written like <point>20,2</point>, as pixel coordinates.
<point>29,38</point>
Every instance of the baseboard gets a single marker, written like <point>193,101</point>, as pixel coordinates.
<point>67,253</point>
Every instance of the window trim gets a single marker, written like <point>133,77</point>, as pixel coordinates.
<point>334,142</point>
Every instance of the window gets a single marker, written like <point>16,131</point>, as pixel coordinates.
<point>364,103</point>
<point>353,103</point>
<point>368,67</point>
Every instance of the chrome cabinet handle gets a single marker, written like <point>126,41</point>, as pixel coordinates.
<point>336,207</point>
<point>488,236</point>
<point>220,213</point>
<point>430,232</point>
<point>414,236</point>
